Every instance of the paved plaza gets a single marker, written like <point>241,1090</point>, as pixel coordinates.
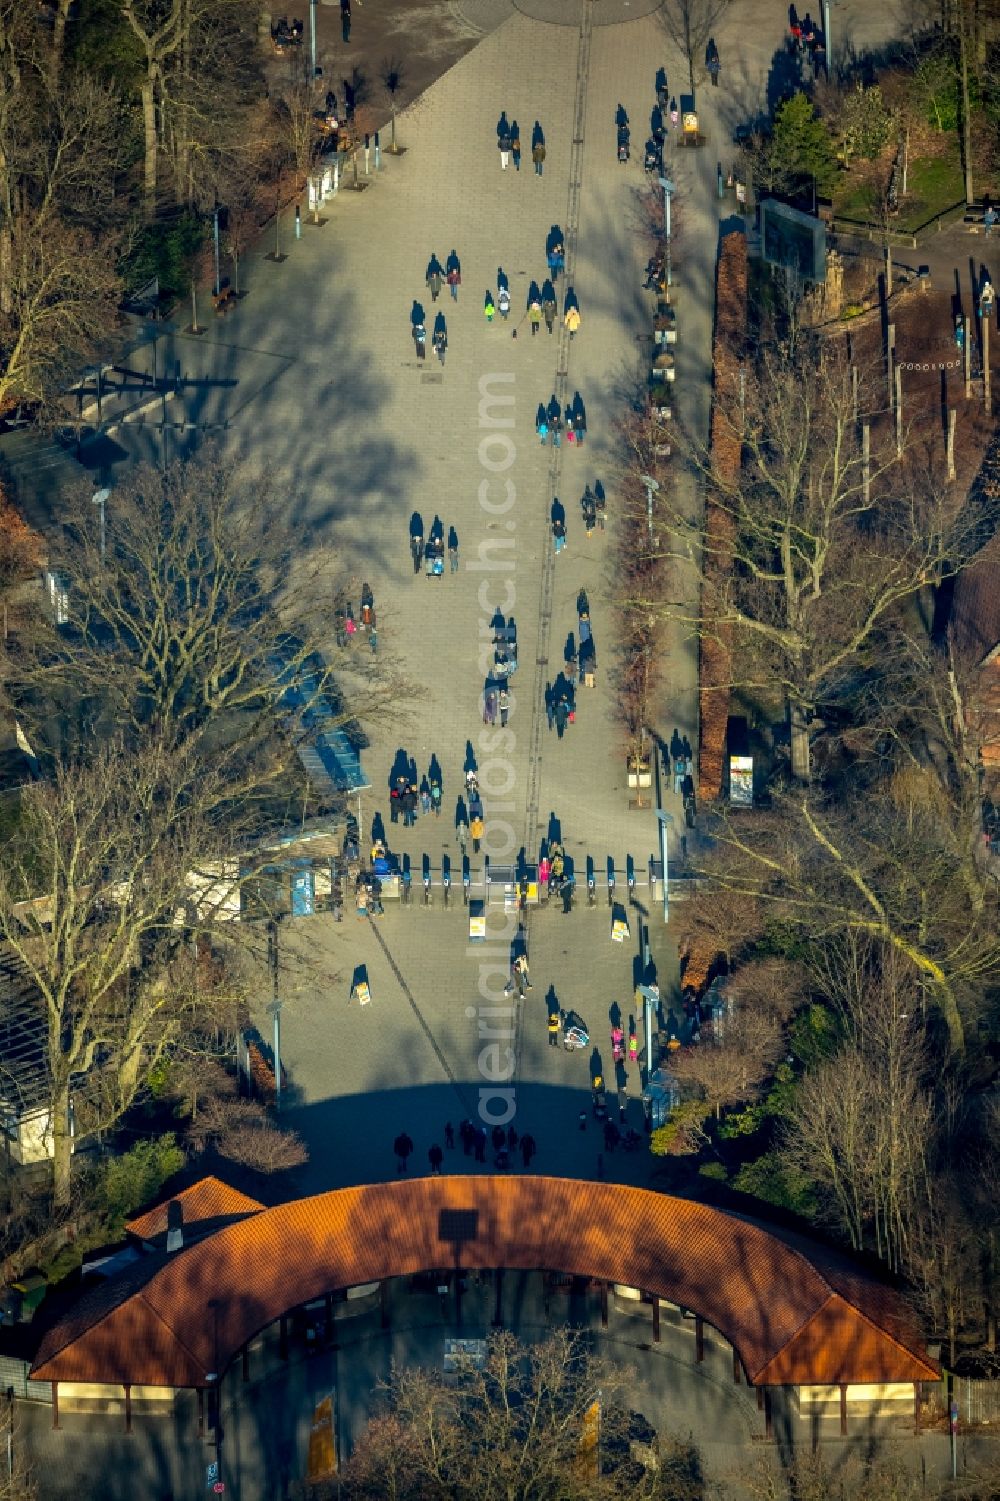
<point>316,376</point>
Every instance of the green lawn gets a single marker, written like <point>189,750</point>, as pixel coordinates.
<point>933,184</point>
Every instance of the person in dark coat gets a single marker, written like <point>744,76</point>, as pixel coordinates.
<point>467,1131</point>
<point>712,62</point>
<point>402,1147</point>
<point>435,1156</point>
<point>499,1138</point>
<point>449,1136</point>
<point>527,1148</point>
<point>480,1145</point>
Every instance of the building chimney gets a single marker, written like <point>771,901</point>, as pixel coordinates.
<point>175,1225</point>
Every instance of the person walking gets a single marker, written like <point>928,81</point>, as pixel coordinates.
<point>402,1147</point>
<point>989,219</point>
<point>462,835</point>
<point>503,302</point>
<point>502,279</point>
<point>435,1157</point>
<point>453,549</point>
<point>489,707</point>
<point>550,715</point>
<point>489,307</point>
<point>601,502</point>
<point>552,1027</point>
<point>467,1132</point>
<point>515,146</point>
<point>521,975</point>
<point>542,423</point>
<point>453,275</point>
<point>503,142</point>
<point>534,316</point>
<point>503,704</point>
<point>480,1144</point>
<point>449,1136</point>
<point>572,319</point>
<point>549,313</point>
<point>554,414</point>
<point>476,830</point>
<point>394,805</point>
<point>434,277</point>
<point>498,1136</point>
<point>527,1148</point>
<point>440,337</point>
<point>511,1138</point>
<point>537,148</point>
<point>712,62</point>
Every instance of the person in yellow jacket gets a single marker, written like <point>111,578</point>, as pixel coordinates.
<point>476,830</point>
<point>572,319</point>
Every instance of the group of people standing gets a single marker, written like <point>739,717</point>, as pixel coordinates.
<point>430,553</point>
<point>551,422</point>
<point>509,144</point>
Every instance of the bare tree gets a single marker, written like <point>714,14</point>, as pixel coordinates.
<point>822,546</point>
<point>689,24</point>
<point>537,1423</point>
<point>729,1065</point>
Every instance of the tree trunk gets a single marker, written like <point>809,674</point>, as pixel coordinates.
<point>59,35</point>
<point>799,734</point>
<point>963,56</point>
<point>62,1147</point>
<point>151,143</point>
<point>6,240</point>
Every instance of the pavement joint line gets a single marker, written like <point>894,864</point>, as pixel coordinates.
<point>555,470</point>
<point>421,1020</point>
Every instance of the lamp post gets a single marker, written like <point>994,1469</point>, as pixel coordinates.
<point>312,40</point>
<point>274,1009</point>
<point>826,35</point>
<point>664,820</point>
<point>668,190</point>
<point>214,1379</point>
<point>650,999</point>
<point>652,486</point>
<point>99,499</point>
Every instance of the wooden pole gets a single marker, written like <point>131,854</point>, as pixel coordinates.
<point>890,345</point>
<point>55,1404</point>
<point>498,1305</point>
<point>899,412</point>
<point>987,395</point>
<point>604,1305</point>
<point>736,1366</point>
<point>383,1303</point>
<point>843,1410</point>
<point>128,1407</point>
<point>854,389</point>
<point>699,1338</point>
<point>866,464</point>
<point>967,351</point>
<point>952,414</point>
<point>656,1320</point>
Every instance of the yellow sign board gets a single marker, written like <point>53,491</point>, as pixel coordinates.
<point>322,1444</point>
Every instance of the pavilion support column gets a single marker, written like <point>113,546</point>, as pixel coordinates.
<point>328,1311</point>
<point>843,1409</point>
<point>916,1406</point>
<point>201,1412</point>
<point>604,1305</point>
<point>656,1320</point>
<point>383,1303</point>
<point>736,1366</point>
<point>245,1354</point>
<point>283,1336</point>
<point>55,1404</point>
<point>760,1398</point>
<point>128,1407</point>
<point>768,1414</point>
<point>699,1338</point>
<point>498,1302</point>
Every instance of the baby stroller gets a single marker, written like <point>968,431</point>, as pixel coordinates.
<point>575,1034</point>
<point>623,143</point>
<point>653,161</point>
<point>617,1044</point>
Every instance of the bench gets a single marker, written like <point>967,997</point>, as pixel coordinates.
<point>223,300</point>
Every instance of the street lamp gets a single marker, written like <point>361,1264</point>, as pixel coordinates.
<point>665,820</point>
<point>652,486</point>
<point>668,190</point>
<point>99,498</point>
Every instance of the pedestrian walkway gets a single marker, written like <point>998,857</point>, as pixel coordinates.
<point>315,376</point>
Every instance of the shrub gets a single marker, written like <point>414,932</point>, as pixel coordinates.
<point>126,1182</point>
<point>803,143</point>
<point>166,251</point>
<point>769,1178</point>
<point>866,124</point>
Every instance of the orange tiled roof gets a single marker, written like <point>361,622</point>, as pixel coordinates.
<point>786,1317</point>
<point>208,1199</point>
